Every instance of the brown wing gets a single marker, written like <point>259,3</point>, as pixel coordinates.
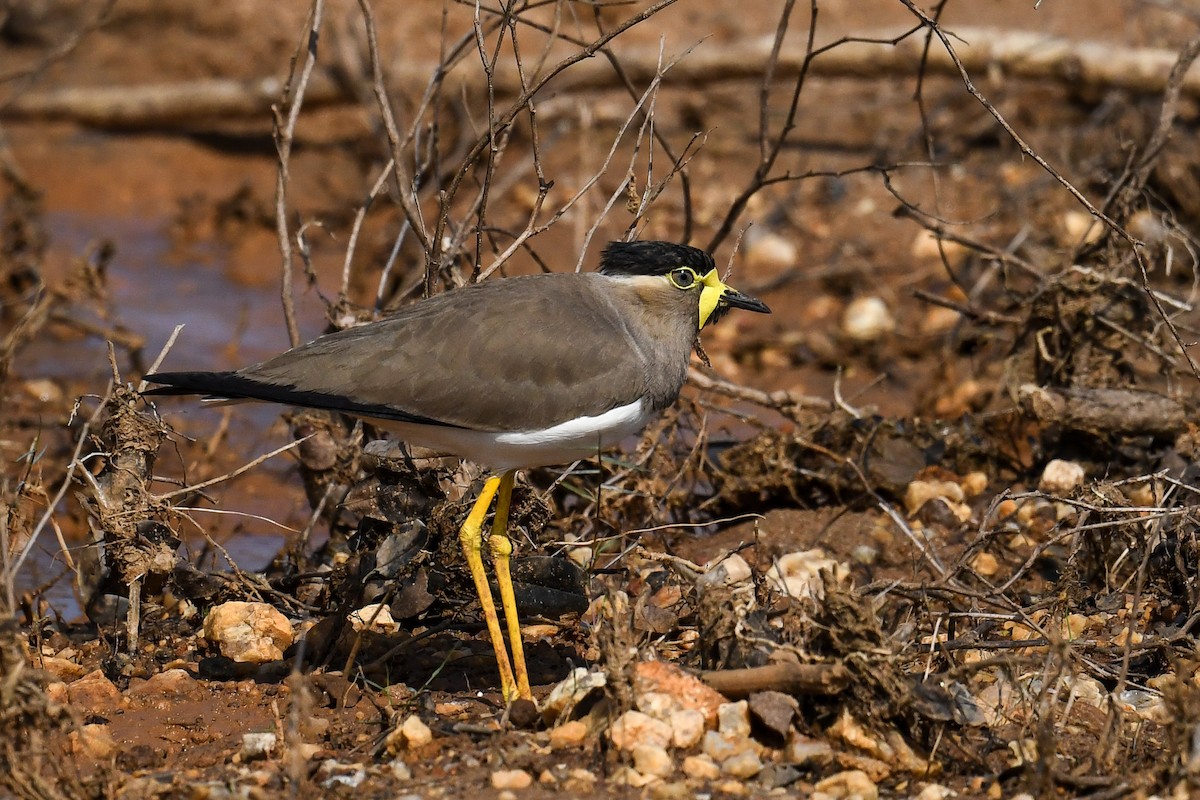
<point>513,354</point>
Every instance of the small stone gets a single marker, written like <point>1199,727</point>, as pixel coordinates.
<point>731,788</point>
<point>701,768</point>
<point>770,253</point>
<point>938,320</point>
<point>62,668</point>
<point>374,617</point>
<point>799,574</point>
<point>746,764</point>
<point>864,554</point>
<point>1149,227</point>
<point>935,791</point>
<point>1061,477</point>
<point>985,564</point>
<point>580,555</point>
<point>308,750</point>
<point>677,790</point>
<point>256,746</point>
<point>248,633</point>
<point>410,734</point>
<point>93,741</point>
<point>659,705</point>
<point>684,690</point>
<point>687,728</point>
<point>173,683</point>
<point>570,692</point>
<point>57,692</point>
<point>920,492</point>
<point>629,776</point>
<point>974,484</point>
<point>546,778</point>
<point>727,571</point>
<point>315,727</point>
<point>867,319</point>
<point>851,785</point>
<point>579,780</point>
<point>774,711</point>
<point>719,748</point>
<point>43,390</point>
<point>523,714</point>
<point>633,728</point>
<point>928,246</point>
<point>650,759</point>
<point>416,732</point>
<point>801,750</point>
<point>332,773</point>
<point>569,734</point>
<point>733,719</point>
<point>1080,227</point>
<point>511,779</point>
<point>400,770</point>
<point>94,692</point>
<point>875,769</point>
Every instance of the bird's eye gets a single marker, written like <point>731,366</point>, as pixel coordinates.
<point>683,278</point>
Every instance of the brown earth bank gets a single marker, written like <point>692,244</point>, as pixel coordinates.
<point>927,530</point>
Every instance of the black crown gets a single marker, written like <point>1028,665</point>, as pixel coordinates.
<point>652,258</point>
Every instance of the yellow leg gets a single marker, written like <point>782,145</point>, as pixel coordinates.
<point>502,553</point>
<point>471,537</point>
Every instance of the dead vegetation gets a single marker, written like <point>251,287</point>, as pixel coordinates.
<point>935,523</point>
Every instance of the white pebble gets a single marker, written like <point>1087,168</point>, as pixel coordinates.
<point>258,745</point>
<point>633,728</point>
<point>511,779</point>
<point>687,728</point>
<point>746,764</point>
<point>650,759</point>
<point>733,719</point>
<point>1061,477</point>
<point>867,319</point>
<point>701,768</point>
<point>416,733</point>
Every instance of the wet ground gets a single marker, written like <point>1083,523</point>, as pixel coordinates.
<point>903,363</point>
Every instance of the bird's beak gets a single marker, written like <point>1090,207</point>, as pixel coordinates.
<point>735,299</point>
<point>718,297</point>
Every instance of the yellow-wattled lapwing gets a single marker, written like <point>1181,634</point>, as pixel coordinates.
<point>512,373</point>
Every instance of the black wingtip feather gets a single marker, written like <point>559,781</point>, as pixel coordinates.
<point>652,258</point>
<point>217,384</point>
<point>236,386</point>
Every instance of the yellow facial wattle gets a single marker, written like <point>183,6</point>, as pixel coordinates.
<point>710,295</point>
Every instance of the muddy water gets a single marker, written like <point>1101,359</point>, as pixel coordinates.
<point>154,286</point>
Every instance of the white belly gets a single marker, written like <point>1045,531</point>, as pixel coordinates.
<point>561,444</point>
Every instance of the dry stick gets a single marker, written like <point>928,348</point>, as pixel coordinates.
<point>531,230</point>
<point>780,401</point>
<point>62,490</point>
<point>1025,55</point>
<point>679,161</point>
<point>1124,195</point>
<point>162,354</point>
<point>433,263</point>
<point>790,678</point>
<point>769,149</point>
<point>404,181</point>
<point>359,217</point>
<point>284,136</point>
<point>1134,244</point>
<point>228,475</point>
<point>494,148</point>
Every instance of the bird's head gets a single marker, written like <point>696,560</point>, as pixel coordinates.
<point>682,269</point>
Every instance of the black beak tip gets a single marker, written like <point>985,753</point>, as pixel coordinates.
<point>746,302</point>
